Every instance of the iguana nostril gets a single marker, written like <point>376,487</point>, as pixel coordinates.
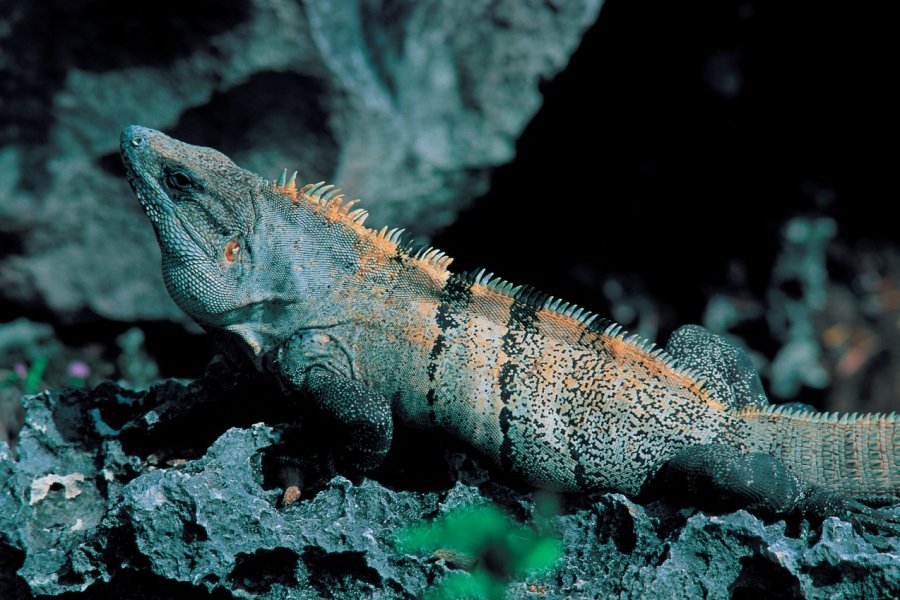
<point>135,135</point>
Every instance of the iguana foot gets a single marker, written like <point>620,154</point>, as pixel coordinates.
<point>719,477</point>
<point>361,418</point>
<point>298,469</point>
<point>820,503</point>
<point>879,500</point>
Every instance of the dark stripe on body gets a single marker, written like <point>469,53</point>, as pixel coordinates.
<point>454,299</point>
<point>522,319</point>
<point>597,326</point>
<point>579,473</point>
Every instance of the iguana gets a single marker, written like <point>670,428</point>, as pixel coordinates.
<point>292,283</point>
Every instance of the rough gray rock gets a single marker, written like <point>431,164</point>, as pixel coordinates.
<point>407,104</point>
<point>170,492</point>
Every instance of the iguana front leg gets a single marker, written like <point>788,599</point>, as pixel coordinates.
<point>314,363</point>
<point>365,416</point>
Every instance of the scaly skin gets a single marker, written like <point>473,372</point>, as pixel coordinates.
<point>291,282</point>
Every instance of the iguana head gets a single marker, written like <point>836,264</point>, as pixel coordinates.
<point>227,250</point>
<point>254,261</point>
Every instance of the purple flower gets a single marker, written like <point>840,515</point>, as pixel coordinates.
<point>21,370</point>
<point>79,369</point>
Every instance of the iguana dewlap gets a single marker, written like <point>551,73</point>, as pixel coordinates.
<point>290,281</point>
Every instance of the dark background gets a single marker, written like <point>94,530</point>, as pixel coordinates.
<point>683,135</point>
<point>675,147</point>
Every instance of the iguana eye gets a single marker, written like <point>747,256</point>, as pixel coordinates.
<point>178,180</point>
<point>232,251</point>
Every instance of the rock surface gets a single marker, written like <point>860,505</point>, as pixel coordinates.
<point>171,492</point>
<point>408,104</point>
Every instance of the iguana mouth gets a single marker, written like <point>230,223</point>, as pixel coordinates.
<point>138,183</point>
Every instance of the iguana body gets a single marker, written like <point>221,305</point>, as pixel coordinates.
<point>291,282</point>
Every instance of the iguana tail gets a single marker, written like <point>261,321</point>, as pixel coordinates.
<point>856,455</point>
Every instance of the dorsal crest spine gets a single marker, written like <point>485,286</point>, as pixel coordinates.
<point>329,201</point>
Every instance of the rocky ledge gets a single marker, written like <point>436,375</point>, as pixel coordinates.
<point>172,492</point>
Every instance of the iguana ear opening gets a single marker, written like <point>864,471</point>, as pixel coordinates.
<point>232,251</point>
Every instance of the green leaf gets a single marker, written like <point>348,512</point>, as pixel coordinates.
<point>32,384</point>
<point>541,556</point>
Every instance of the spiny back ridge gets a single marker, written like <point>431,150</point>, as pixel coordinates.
<point>821,417</point>
<point>604,327</point>
<point>330,200</point>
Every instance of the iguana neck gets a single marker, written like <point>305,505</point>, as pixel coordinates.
<point>321,266</point>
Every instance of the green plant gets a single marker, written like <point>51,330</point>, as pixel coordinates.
<point>32,382</point>
<point>486,540</point>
